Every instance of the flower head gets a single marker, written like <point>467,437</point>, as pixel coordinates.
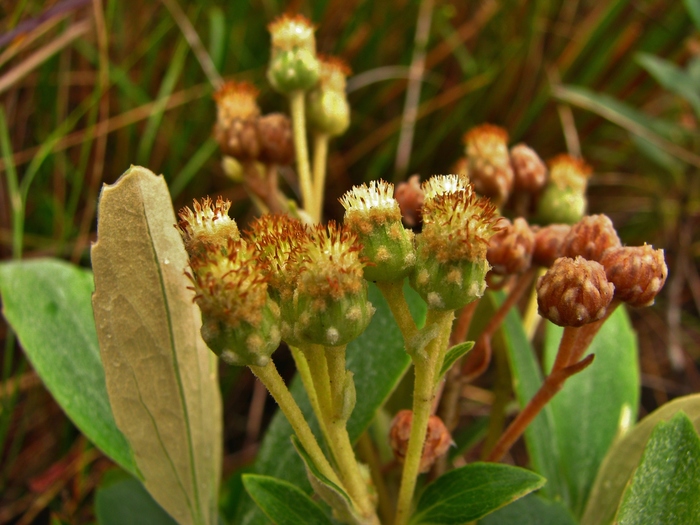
<point>374,215</point>
<point>451,250</point>
<point>294,65</point>
<point>239,321</point>
<point>208,226</point>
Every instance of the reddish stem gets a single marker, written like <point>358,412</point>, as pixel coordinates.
<point>552,384</point>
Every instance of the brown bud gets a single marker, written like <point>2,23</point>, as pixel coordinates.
<point>489,163</point>
<point>590,237</point>
<point>574,292</point>
<point>638,273</point>
<point>235,129</point>
<point>276,139</point>
<point>548,241</point>
<point>437,439</point>
<point>410,197</point>
<point>510,250</point>
<point>239,140</point>
<point>528,168</point>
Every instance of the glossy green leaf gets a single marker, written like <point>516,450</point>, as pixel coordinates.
<point>531,510</point>
<point>673,78</point>
<point>122,499</point>
<point>623,457</point>
<point>282,502</point>
<point>540,436</point>
<point>378,361</point>
<point>595,406</point>
<point>328,491</point>
<point>47,303</point>
<point>469,493</point>
<point>453,354</point>
<point>161,377</point>
<point>665,487</point>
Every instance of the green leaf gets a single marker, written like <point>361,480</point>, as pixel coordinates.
<point>595,406</point>
<point>122,499</point>
<point>623,457</point>
<point>282,502</point>
<point>453,354</point>
<point>540,436</point>
<point>328,491</point>
<point>666,486</point>
<point>663,134</point>
<point>671,77</point>
<point>47,303</point>
<point>161,377</point>
<point>469,493</point>
<point>378,362</point>
<point>531,510</point>
<point>693,7</point>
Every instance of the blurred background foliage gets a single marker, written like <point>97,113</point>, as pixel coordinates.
<point>90,87</point>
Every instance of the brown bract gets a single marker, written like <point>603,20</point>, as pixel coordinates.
<point>574,292</point>
<point>437,439</point>
<point>590,238</point>
<point>638,273</point>
<point>548,242</point>
<point>530,172</point>
<point>510,250</point>
<point>410,197</point>
<point>276,139</point>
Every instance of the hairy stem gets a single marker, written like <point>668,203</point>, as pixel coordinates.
<point>296,101</point>
<point>269,376</point>
<point>393,293</point>
<point>426,365</point>
<point>325,367</point>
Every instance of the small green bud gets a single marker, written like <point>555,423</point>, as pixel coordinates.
<point>561,205</point>
<point>329,305</point>
<point>327,109</point>
<point>374,215</point>
<point>564,197</point>
<point>451,264</point>
<point>294,65</point>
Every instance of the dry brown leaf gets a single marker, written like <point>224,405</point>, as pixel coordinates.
<point>161,377</point>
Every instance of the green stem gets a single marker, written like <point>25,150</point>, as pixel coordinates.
<point>426,365</point>
<point>393,293</point>
<point>269,377</point>
<point>327,368</point>
<point>296,100</point>
<point>337,426</point>
<point>306,378</point>
<point>319,176</point>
